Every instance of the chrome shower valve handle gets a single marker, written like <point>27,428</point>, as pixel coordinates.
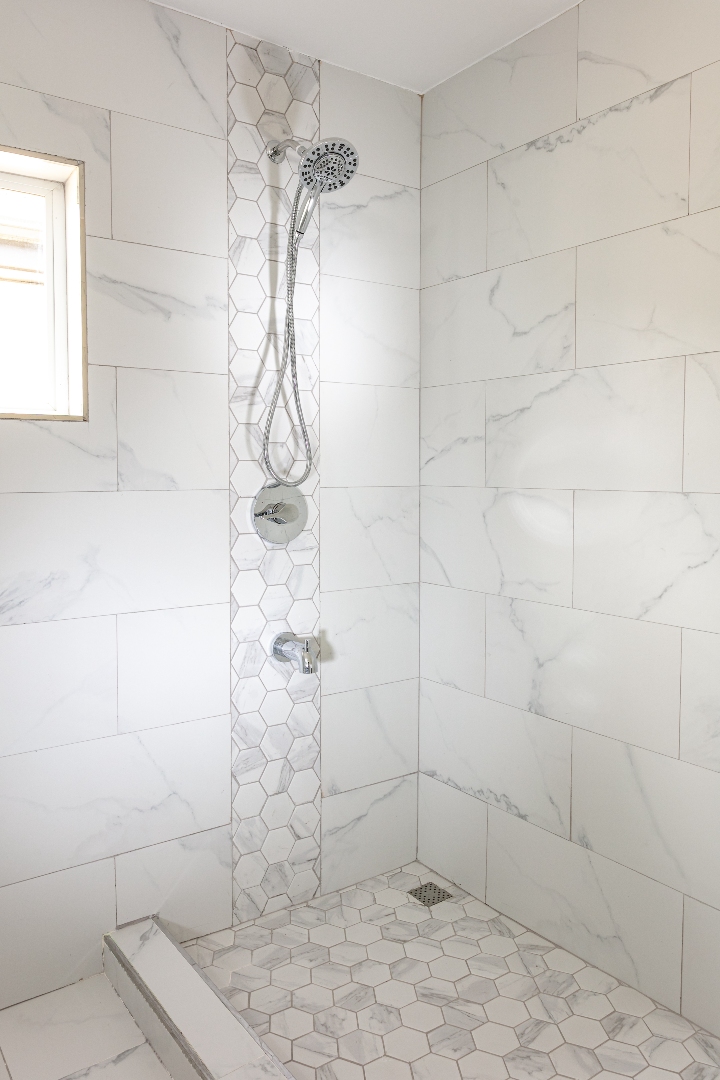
<point>300,651</point>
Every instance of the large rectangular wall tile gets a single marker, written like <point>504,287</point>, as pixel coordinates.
<point>368,831</point>
<point>651,293</point>
<point>76,804</point>
<point>700,706</point>
<point>187,882</point>
<point>701,965</point>
<point>371,231</point>
<point>86,50</point>
<point>372,637</point>
<point>587,904</point>
<point>649,556</point>
<point>616,677</point>
<point>370,333</point>
<point>509,759</point>
<point>661,820</point>
<point>517,94</point>
<point>173,666</point>
<point>108,553</point>
<point>58,683</point>
<point>53,928</point>
<point>154,308</point>
<point>52,125</point>
<point>168,187</point>
<point>704,139</point>
<point>452,834</point>
<point>382,122</point>
<point>369,435</point>
<point>517,543</point>
<point>621,169</point>
<point>454,227</point>
<point>517,320</point>
<point>701,470</point>
<point>172,429</point>
<point>369,537</point>
<point>452,434</point>
<point>619,426</point>
<point>52,455</point>
<point>452,637</point>
<point>369,736</point>
<point>628,46</point>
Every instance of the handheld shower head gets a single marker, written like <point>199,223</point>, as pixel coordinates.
<point>330,163</point>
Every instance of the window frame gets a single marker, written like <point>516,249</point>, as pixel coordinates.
<point>69,326</point>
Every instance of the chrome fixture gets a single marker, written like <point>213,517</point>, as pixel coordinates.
<point>298,651</point>
<point>327,166</point>
<point>279,513</point>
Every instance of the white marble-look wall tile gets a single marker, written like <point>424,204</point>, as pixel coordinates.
<point>52,455</point>
<point>701,964</point>
<point>76,804</point>
<point>514,321</point>
<point>173,666</point>
<point>380,120</point>
<point>370,231</point>
<point>369,435</point>
<point>172,430</point>
<point>704,139</point>
<point>86,52</point>
<point>516,543</point>
<point>700,707</point>
<point>701,470</point>
<point>452,434</point>
<point>651,555</point>
<point>452,637</point>
<point>369,736</point>
<point>53,928</point>
<point>110,552</point>
<point>509,759</point>
<point>662,817</point>
<point>453,235</point>
<point>587,904</point>
<point>619,426</point>
<point>154,308</point>
<point>187,882</point>
<point>650,293</point>
<point>370,333</point>
<point>52,125</point>
<point>516,94</point>
<point>620,169</point>
<point>369,537</point>
<point>58,683</point>
<point>617,677</point>
<point>452,834</point>
<point>370,636</point>
<point>368,831</point>
<point>629,46</point>
<point>168,187</point>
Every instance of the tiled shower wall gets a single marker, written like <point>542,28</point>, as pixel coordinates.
<point>570,539</point>
<point>114,534</point>
<point>368,382</point>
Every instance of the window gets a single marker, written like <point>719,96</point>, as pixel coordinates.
<point>42,316</point>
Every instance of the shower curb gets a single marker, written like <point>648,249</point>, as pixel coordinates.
<point>193,1029</point>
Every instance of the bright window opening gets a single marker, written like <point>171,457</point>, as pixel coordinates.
<point>42,318</point>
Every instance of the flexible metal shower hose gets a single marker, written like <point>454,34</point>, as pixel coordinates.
<point>288,355</point>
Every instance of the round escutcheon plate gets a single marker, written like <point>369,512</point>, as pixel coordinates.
<point>279,513</point>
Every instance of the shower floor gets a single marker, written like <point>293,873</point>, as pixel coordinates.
<point>367,984</point>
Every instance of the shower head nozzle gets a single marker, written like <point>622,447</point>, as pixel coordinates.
<point>331,163</point>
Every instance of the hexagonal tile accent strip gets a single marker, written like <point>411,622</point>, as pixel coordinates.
<point>272,93</point>
<point>336,999</point>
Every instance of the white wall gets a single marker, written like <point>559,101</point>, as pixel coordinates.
<point>570,538</point>
<point>114,534</point>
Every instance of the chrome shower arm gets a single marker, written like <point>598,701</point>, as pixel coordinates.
<point>277,150</point>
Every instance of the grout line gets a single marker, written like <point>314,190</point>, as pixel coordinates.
<point>682,955</point>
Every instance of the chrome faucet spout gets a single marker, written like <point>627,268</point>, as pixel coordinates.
<point>302,652</point>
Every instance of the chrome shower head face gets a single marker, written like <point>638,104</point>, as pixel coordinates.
<point>331,162</point>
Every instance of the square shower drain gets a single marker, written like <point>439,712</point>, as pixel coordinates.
<point>430,893</point>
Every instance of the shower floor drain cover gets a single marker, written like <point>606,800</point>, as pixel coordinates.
<point>430,893</point>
